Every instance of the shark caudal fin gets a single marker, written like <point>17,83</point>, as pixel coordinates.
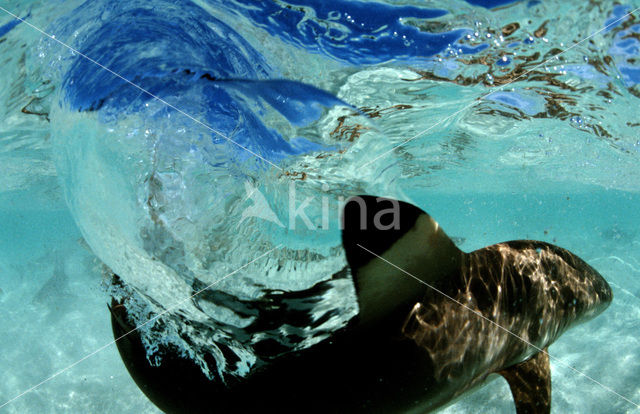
<point>389,244</point>
<point>530,383</point>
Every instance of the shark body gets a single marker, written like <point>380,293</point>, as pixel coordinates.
<point>434,323</point>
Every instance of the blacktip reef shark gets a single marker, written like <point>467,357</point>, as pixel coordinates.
<point>434,322</point>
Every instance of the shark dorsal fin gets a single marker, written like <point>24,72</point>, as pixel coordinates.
<point>408,242</point>
<point>530,383</point>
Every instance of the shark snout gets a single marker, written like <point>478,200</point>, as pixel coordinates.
<point>602,290</point>
<point>595,295</point>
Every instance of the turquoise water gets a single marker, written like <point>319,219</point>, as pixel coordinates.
<point>94,173</point>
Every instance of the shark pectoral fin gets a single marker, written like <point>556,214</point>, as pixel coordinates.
<point>530,383</point>
<point>389,244</point>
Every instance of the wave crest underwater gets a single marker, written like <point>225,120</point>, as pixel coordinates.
<point>159,196</point>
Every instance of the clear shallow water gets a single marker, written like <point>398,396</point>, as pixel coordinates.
<point>551,157</point>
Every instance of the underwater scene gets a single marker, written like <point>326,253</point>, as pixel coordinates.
<point>178,231</point>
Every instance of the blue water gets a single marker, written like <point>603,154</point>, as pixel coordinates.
<point>295,101</point>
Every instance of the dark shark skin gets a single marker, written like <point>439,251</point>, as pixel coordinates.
<point>411,349</point>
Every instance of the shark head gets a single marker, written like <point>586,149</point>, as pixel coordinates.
<point>493,310</point>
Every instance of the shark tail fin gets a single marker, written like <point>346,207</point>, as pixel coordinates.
<point>393,248</point>
<point>530,383</point>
